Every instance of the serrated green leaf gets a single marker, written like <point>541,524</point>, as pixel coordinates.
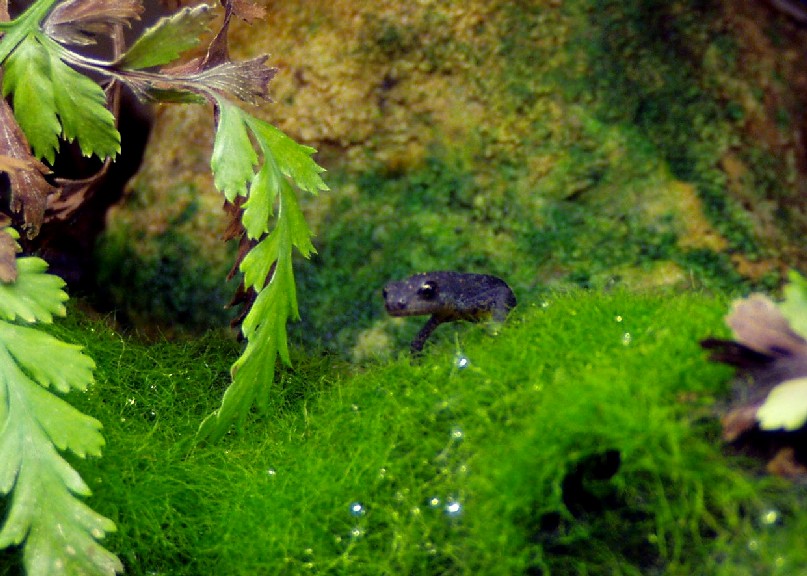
<point>263,190</point>
<point>47,360</point>
<point>81,106</point>
<point>168,38</point>
<point>233,159</point>
<point>35,297</point>
<point>292,159</point>
<point>258,261</point>
<point>794,306</point>
<point>28,79</point>
<point>253,373</point>
<point>62,536</point>
<point>51,100</point>
<point>265,325</point>
<point>785,408</point>
<point>298,228</point>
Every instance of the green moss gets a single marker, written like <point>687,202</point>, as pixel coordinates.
<point>161,281</point>
<point>580,439</point>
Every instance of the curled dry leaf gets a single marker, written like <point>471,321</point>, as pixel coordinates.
<point>758,324</point>
<point>8,257</point>
<point>79,22</point>
<point>774,356</point>
<point>29,188</point>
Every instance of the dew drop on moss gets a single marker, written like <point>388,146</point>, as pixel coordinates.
<point>453,509</point>
<point>357,509</point>
<point>769,517</point>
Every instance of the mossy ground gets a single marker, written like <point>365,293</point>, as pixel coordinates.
<point>580,439</point>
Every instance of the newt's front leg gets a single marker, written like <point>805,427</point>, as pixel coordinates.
<point>431,324</point>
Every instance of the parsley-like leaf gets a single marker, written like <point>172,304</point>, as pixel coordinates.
<point>283,162</point>
<point>35,296</point>
<point>59,534</point>
<point>233,158</point>
<point>81,105</point>
<point>168,38</point>
<point>27,76</point>
<point>51,99</point>
<point>294,160</point>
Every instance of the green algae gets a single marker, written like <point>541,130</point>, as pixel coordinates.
<point>485,457</point>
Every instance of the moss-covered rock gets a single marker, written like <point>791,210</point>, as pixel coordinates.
<point>554,143</point>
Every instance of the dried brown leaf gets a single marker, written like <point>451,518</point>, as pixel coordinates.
<point>8,257</point>
<point>739,420</point>
<point>81,21</point>
<point>248,11</point>
<point>758,324</point>
<point>9,164</point>
<point>247,81</point>
<point>29,189</point>
<point>786,465</point>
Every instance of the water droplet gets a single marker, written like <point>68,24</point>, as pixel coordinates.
<point>462,362</point>
<point>131,401</point>
<point>271,472</point>
<point>626,338</point>
<point>453,509</point>
<point>357,532</point>
<point>434,502</point>
<point>457,434</point>
<point>545,304</point>
<point>382,473</point>
<point>357,509</point>
<point>769,517</point>
<point>618,318</point>
<point>354,407</point>
<point>415,511</point>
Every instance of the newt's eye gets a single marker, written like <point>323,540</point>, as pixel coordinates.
<point>428,290</point>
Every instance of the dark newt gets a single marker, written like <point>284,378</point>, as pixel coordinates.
<point>448,296</point>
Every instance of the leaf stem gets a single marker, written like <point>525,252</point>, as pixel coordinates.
<point>23,25</point>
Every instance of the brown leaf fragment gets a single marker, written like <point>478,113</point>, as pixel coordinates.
<point>738,421</point>
<point>248,80</point>
<point>758,324</point>
<point>8,257</point>
<point>248,11</point>
<point>786,465</point>
<point>80,22</point>
<point>29,189</point>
